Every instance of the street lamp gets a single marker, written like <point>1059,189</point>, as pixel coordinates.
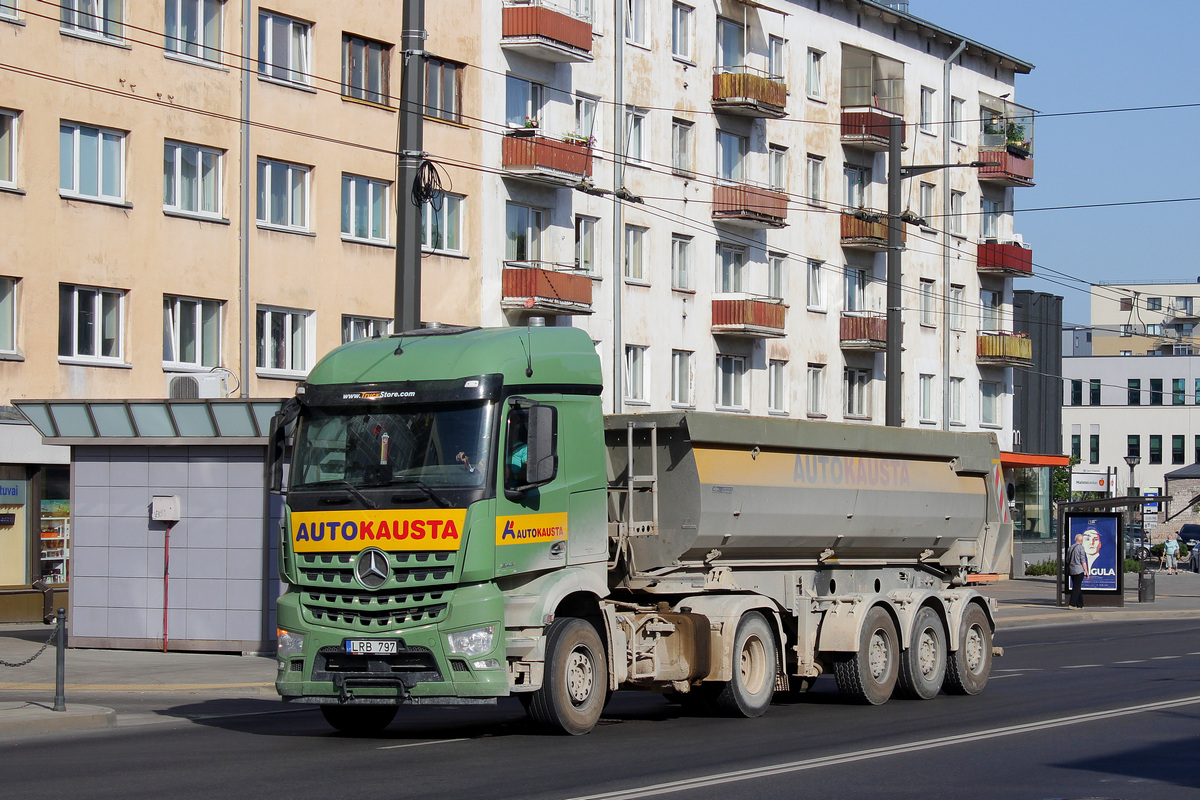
<point>1132,461</point>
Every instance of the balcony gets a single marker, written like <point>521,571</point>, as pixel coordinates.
<point>545,288</point>
<point>545,31</point>
<point>528,154</point>
<point>1006,168</point>
<point>867,230</point>
<point>998,349</point>
<point>755,318</point>
<point>864,330</point>
<point>749,206</point>
<point>749,92</point>
<point>868,127</point>
<point>996,257</point>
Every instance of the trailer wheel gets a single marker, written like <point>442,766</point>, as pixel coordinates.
<point>970,665</point>
<point>575,685</point>
<point>869,675</point>
<point>359,720</point>
<point>923,664</point>
<point>755,662</point>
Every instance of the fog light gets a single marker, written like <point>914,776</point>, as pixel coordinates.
<point>289,644</point>
<point>473,642</point>
<point>487,663</point>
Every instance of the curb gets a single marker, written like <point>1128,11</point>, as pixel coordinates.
<point>32,719</point>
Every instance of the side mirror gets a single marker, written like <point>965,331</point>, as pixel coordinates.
<point>282,423</point>
<point>542,464</point>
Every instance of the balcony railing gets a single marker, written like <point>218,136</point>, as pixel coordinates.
<point>749,92</point>
<point>749,206</point>
<point>1006,168</point>
<point>867,230</point>
<point>1004,258</point>
<point>545,287</point>
<point>528,154</point>
<point>864,330</point>
<point>868,127</point>
<point>754,317</point>
<point>1000,349</point>
<point>546,31</point>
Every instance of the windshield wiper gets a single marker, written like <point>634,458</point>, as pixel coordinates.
<point>345,484</point>
<point>425,488</point>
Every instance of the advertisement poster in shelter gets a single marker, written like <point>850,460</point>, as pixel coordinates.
<point>1099,535</point>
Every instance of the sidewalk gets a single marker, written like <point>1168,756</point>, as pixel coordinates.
<point>110,688</point>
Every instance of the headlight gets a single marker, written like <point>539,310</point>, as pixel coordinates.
<point>474,642</point>
<point>290,644</point>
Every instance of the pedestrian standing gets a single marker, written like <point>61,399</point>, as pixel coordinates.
<point>1170,550</point>
<point>1076,571</point>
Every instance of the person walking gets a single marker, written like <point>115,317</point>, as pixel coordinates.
<point>1076,571</point>
<point>1170,551</point>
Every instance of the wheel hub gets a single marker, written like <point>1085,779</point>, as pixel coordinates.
<point>581,676</point>
<point>927,653</point>
<point>974,649</point>
<point>753,666</point>
<point>878,655</point>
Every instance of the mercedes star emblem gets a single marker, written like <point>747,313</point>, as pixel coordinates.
<point>371,569</point>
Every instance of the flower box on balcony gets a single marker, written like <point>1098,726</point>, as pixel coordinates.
<point>544,159</point>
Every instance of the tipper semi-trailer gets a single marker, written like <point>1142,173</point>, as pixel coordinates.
<point>463,523</point>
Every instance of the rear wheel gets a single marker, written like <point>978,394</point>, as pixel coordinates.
<point>970,665</point>
<point>575,684</point>
<point>359,720</point>
<point>923,664</point>
<point>869,675</point>
<point>755,661</point>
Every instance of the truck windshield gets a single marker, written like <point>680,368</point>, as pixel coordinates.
<point>447,445</point>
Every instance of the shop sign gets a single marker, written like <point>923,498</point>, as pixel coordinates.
<point>12,493</point>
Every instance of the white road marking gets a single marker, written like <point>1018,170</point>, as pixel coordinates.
<point>1081,666</point>
<point>719,779</point>
<point>421,744</point>
<point>1002,677</point>
<point>1164,658</point>
<point>1135,661</point>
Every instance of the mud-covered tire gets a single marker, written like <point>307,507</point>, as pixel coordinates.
<point>869,675</point>
<point>755,662</point>
<point>575,682</point>
<point>968,667</point>
<point>923,664</point>
<point>359,720</point>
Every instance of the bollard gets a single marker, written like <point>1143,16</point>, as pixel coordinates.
<point>1145,586</point>
<point>60,665</point>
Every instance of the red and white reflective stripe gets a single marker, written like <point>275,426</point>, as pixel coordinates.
<point>1000,493</point>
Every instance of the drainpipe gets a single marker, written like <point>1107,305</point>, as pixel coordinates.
<point>946,236</point>
<point>618,277</point>
<point>244,208</point>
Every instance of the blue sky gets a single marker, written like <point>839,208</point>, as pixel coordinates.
<point>1091,55</point>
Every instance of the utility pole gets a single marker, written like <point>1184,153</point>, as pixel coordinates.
<point>410,147</point>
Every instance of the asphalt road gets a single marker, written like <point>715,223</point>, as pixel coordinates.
<point>1104,710</point>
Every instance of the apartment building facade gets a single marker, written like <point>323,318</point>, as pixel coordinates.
<point>200,196</point>
<point>1150,318</point>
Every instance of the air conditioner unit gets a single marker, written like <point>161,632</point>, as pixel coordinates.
<point>200,386</point>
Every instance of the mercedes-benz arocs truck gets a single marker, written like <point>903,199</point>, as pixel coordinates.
<point>463,523</point>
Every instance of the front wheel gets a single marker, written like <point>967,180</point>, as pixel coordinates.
<point>869,675</point>
<point>575,683</point>
<point>359,720</point>
<point>755,662</point>
<point>970,665</point>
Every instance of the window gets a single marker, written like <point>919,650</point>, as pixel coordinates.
<point>283,337</point>
<point>989,403</point>
<point>364,328</point>
<point>441,224</point>
<point>956,405</point>
<point>191,179</point>
<point>816,179</point>
<point>681,31</point>
<point>91,162</point>
<point>8,148</point>
<point>1133,388</point>
<point>925,384</point>
<point>730,261</point>
<point>1125,304</point>
<point>854,289</point>
<point>193,29</point>
<point>681,147</point>
<point>731,373</point>
<point>8,315</point>
<point>957,225</point>
<point>191,332</point>
<point>522,102</point>
<point>1133,445</point>
<point>635,21</point>
<point>855,386</point>
<point>928,203</point>
<point>365,70</point>
<point>635,372</point>
<point>926,119</point>
<point>96,18</point>
<point>990,313</point>
<point>776,275</point>
<point>1178,392</point>
<point>1094,448</point>
<point>1155,448</point>
<point>957,321</point>
<point>1094,392</point>
<point>731,156</point>
<point>777,174</point>
<point>816,285</point>
<point>928,302</point>
<point>443,90</point>
<point>635,133</point>
<point>777,386</point>
<point>364,208</point>
<point>869,79</point>
<point>956,120</point>
<point>777,58</point>
<point>681,378</point>
<point>815,82</point>
<point>1076,392</point>
<point>1177,449</point>
<point>731,43</point>
<point>586,109</point>
<point>856,182</point>
<point>681,262</point>
<point>1196,444</point>
<point>1196,394</point>
<point>524,231</point>
<point>283,48</point>
<point>1156,391</point>
<point>8,9</point>
<point>1154,304</point>
<point>1126,330</point>
<point>991,218</point>
<point>1076,447</point>
<point>1154,329</point>
<point>585,244</point>
<point>816,390</point>
<point>634,253</point>
<point>1183,306</point>
<point>91,323</point>
<point>282,195</point>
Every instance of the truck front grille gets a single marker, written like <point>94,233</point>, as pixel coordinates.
<point>417,590</point>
